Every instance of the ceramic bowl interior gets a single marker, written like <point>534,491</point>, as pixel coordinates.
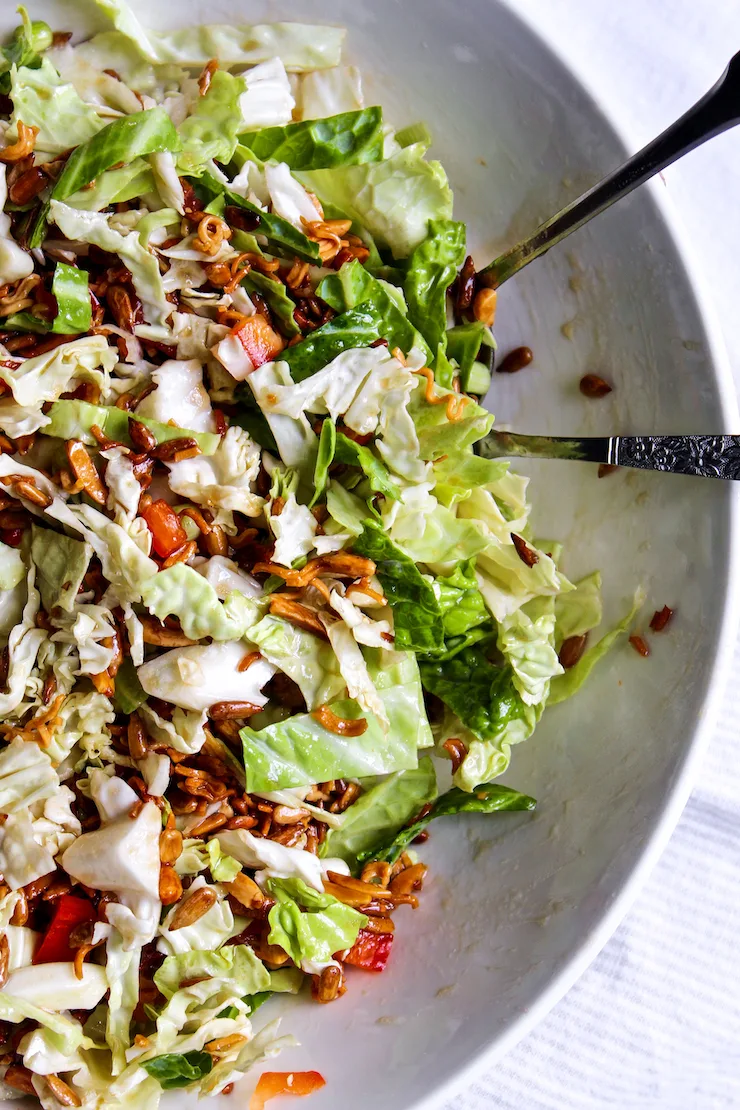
<point>517,905</point>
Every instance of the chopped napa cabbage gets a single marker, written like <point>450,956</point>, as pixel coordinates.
<point>27,44</point>
<point>565,685</point>
<point>26,776</point>
<point>354,670</point>
<point>577,612</point>
<point>124,564</point>
<point>394,199</point>
<point>66,1033</point>
<point>268,101</point>
<point>210,131</point>
<point>12,567</point>
<point>225,478</point>
<point>22,858</point>
<point>41,99</point>
<point>44,377</point>
<point>208,932</point>
<point>309,926</point>
<point>122,966</point>
<point>225,577</point>
<point>185,732</point>
<point>15,263</point>
<point>294,526</point>
<point>301,46</point>
<point>95,228</point>
<point>197,677</point>
<point>299,751</point>
<point>331,91</point>
<point>74,419</point>
<point>384,808</point>
<point>272,859</point>
<point>124,491</point>
<point>23,645</point>
<point>236,965</point>
<point>305,658</point>
<point>526,639</point>
<point>180,591</point>
<point>122,855</point>
<point>197,855</point>
<point>180,396</point>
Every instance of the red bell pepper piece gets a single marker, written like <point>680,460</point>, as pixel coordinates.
<point>164,524</point>
<point>274,1083</point>
<point>370,951</point>
<point>69,912</point>
<point>258,339</point>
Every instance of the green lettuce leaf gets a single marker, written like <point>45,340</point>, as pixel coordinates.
<point>310,926</point>
<point>482,695</point>
<point>488,798</point>
<point>299,751</point>
<point>394,199</point>
<point>72,291</point>
<point>347,139</point>
<point>301,46</point>
<point>277,299</point>
<point>359,327</point>
<point>416,613</point>
<point>351,453</point>
<point>352,285</point>
<point>580,610</point>
<point>457,475</point>
<point>147,132</point>
<point>173,1071</point>
<point>27,43</point>
<point>74,419</point>
<point>277,230</point>
<point>463,345</point>
<point>210,131</point>
<point>432,267</point>
<point>324,459</point>
<point>42,100</point>
<point>61,564</point>
<point>94,228</point>
<point>440,436</point>
<point>384,808</point>
<point>181,592</point>
<point>565,685</point>
<point>130,694</point>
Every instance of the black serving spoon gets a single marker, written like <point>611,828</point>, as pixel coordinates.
<point>709,456</point>
<point>716,112</point>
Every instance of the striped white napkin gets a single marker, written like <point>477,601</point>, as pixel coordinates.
<point>654,1024</point>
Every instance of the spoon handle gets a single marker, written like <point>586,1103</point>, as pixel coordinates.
<point>717,111</point>
<point>702,456</point>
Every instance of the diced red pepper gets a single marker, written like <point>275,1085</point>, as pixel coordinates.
<point>12,536</point>
<point>370,951</point>
<point>261,343</point>
<point>68,914</point>
<point>274,1083</point>
<point>164,524</point>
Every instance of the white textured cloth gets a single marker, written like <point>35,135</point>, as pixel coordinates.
<point>654,1024</point>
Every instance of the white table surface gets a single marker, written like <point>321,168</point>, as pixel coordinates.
<point>654,1024</point>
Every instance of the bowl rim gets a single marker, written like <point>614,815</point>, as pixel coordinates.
<point>677,797</point>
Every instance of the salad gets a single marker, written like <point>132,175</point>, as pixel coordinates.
<point>261,600</point>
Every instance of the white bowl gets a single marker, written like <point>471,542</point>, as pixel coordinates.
<point>516,906</point>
